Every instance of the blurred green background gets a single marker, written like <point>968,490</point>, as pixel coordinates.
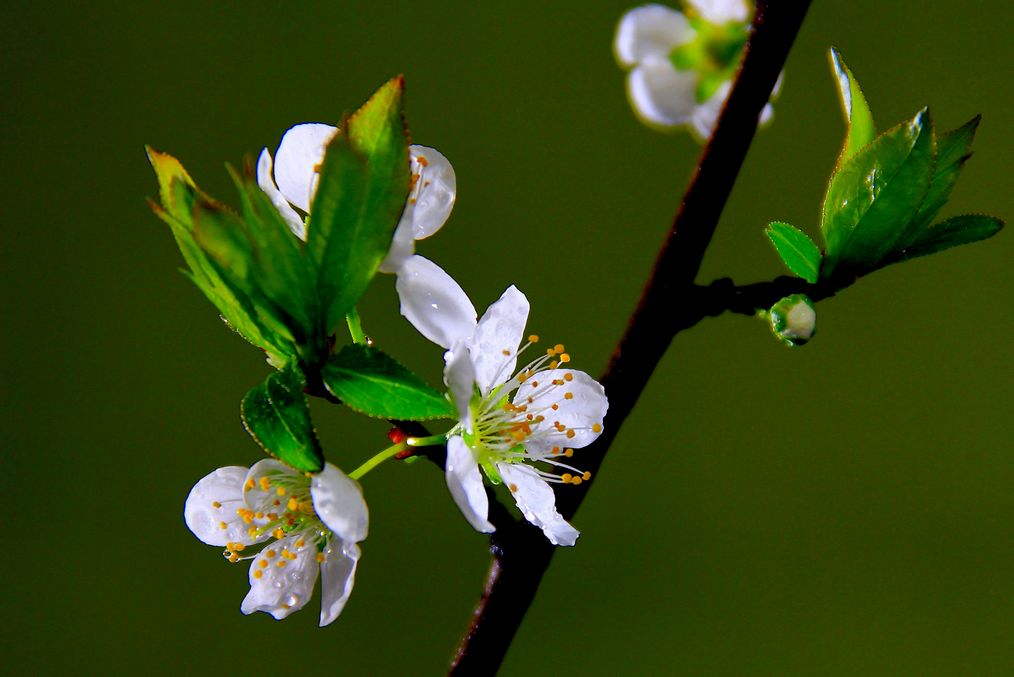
<point>874,535</point>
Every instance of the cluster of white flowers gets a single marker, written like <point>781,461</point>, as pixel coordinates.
<point>681,62</point>
<point>517,425</point>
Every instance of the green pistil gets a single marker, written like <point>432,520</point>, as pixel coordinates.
<point>713,54</point>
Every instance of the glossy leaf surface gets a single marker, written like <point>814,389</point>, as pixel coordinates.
<point>277,416</point>
<point>797,250</point>
<point>373,383</point>
<point>861,129</point>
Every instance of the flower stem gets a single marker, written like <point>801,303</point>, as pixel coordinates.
<point>356,328</point>
<point>431,441</point>
<point>390,452</point>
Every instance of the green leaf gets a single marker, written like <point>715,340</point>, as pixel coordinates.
<point>861,129</point>
<point>953,232</point>
<point>277,416</point>
<point>364,182</point>
<point>953,150</point>
<point>797,250</point>
<point>872,198</point>
<point>373,383</point>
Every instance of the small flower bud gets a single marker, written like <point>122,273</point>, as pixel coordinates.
<point>793,319</point>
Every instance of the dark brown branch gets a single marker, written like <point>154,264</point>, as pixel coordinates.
<point>670,302</point>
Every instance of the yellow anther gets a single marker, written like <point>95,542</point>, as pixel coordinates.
<point>238,547</point>
<point>566,477</point>
<point>554,364</point>
<point>270,553</point>
<point>513,487</point>
<point>555,451</point>
<point>558,381</point>
<point>233,558</point>
<point>223,525</point>
<point>259,515</point>
<point>252,531</point>
<point>300,543</point>
<point>248,485</point>
<point>550,352</point>
<point>286,554</point>
<point>273,516</point>
<point>265,483</point>
<point>540,418</point>
<point>568,453</point>
<point>556,407</point>
<point>281,564</point>
<point>596,427</point>
<point>534,338</point>
<point>262,563</point>
<point>576,481</point>
<point>306,507</point>
<point>216,504</point>
<point>293,504</point>
<point>421,159</point>
<point>535,384</point>
<point>278,533</point>
<point>568,376</point>
<point>320,557</point>
<point>559,348</point>
<point>587,475</point>
<point>570,434</point>
<point>568,396</point>
<point>505,352</point>
<point>280,491</point>
<point>565,358</point>
<point>257,572</point>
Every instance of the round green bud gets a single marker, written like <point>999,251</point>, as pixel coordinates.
<point>793,319</point>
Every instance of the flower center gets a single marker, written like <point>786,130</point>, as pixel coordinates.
<point>283,508</point>
<point>503,430</point>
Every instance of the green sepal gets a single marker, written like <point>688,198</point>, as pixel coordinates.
<point>364,183</point>
<point>861,129</point>
<point>873,197</point>
<point>277,416</point>
<point>953,150</point>
<point>798,251</point>
<point>371,382</point>
<point>954,231</point>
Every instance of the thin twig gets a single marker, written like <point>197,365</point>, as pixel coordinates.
<point>670,300</point>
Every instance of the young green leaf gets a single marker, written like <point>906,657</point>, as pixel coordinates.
<point>364,182</point>
<point>951,233</point>
<point>277,416</point>
<point>953,149</point>
<point>797,250</point>
<point>373,383</point>
<point>861,129</point>
<point>874,196</point>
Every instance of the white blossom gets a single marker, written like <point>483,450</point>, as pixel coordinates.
<point>681,63</point>
<point>517,424</point>
<point>303,525</point>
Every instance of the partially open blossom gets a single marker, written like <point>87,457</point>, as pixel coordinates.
<point>519,425</point>
<point>793,319</point>
<point>302,524</point>
<point>290,181</point>
<point>682,63</point>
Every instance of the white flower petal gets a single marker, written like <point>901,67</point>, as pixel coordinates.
<point>494,346</point>
<point>582,412</point>
<point>650,30</point>
<point>434,191</point>
<point>660,94</point>
<point>722,11</point>
<point>298,159</point>
<point>434,303</point>
<point>267,184</point>
<point>537,502</point>
<point>338,501</point>
<point>337,576</point>
<point>428,206</point>
<point>282,585</point>
<point>459,376</point>
<point>465,484</point>
<point>213,502</point>
<point>706,115</point>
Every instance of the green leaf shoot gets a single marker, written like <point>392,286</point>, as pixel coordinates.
<point>373,383</point>
<point>872,198</point>
<point>277,416</point>
<point>861,129</point>
<point>798,251</point>
<point>953,150</point>
<point>954,231</point>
